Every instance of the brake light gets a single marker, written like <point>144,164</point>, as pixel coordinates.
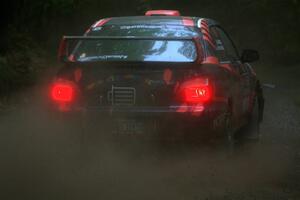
<point>162,13</point>
<point>62,92</point>
<point>197,91</point>
<point>197,94</point>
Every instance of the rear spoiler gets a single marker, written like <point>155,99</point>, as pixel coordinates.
<point>63,54</point>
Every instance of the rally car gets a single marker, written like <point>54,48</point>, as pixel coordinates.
<point>161,73</point>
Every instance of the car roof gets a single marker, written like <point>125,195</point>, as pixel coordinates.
<point>156,20</point>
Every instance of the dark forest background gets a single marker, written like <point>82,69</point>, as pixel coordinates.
<point>31,29</point>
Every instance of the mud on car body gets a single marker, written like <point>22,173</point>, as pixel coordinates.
<point>174,72</point>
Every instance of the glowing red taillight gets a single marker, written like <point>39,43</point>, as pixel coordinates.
<point>62,92</point>
<point>197,91</point>
<point>197,94</point>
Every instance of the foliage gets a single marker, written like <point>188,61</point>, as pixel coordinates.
<point>271,26</point>
<point>17,66</point>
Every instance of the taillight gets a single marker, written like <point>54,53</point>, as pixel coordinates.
<point>197,91</point>
<point>62,92</point>
<point>197,94</point>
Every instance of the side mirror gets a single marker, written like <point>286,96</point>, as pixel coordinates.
<point>249,55</point>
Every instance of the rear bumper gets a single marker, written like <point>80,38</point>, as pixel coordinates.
<point>185,115</point>
<point>174,121</point>
<point>147,111</point>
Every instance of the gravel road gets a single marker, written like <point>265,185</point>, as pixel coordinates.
<point>38,162</point>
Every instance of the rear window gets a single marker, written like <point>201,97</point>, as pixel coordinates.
<point>138,50</point>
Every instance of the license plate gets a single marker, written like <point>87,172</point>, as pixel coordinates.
<point>130,127</point>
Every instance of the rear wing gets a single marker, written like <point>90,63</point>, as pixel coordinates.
<point>64,52</point>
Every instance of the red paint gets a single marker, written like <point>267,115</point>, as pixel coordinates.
<point>77,75</point>
<point>211,60</point>
<point>204,23</point>
<point>72,58</point>
<point>183,108</point>
<point>101,22</point>
<point>187,21</point>
<point>163,12</point>
<point>204,30</point>
<point>168,74</point>
<point>195,110</point>
<point>206,38</point>
<point>199,49</point>
<point>62,50</point>
<point>227,66</point>
<point>87,31</point>
<point>206,34</point>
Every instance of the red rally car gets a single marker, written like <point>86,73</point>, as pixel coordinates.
<point>160,73</point>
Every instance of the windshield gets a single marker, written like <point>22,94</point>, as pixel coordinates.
<point>156,50</point>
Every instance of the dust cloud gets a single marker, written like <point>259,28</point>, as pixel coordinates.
<point>41,158</point>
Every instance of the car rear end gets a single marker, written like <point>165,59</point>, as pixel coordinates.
<point>138,79</point>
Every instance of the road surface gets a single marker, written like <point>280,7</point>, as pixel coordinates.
<point>38,162</point>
